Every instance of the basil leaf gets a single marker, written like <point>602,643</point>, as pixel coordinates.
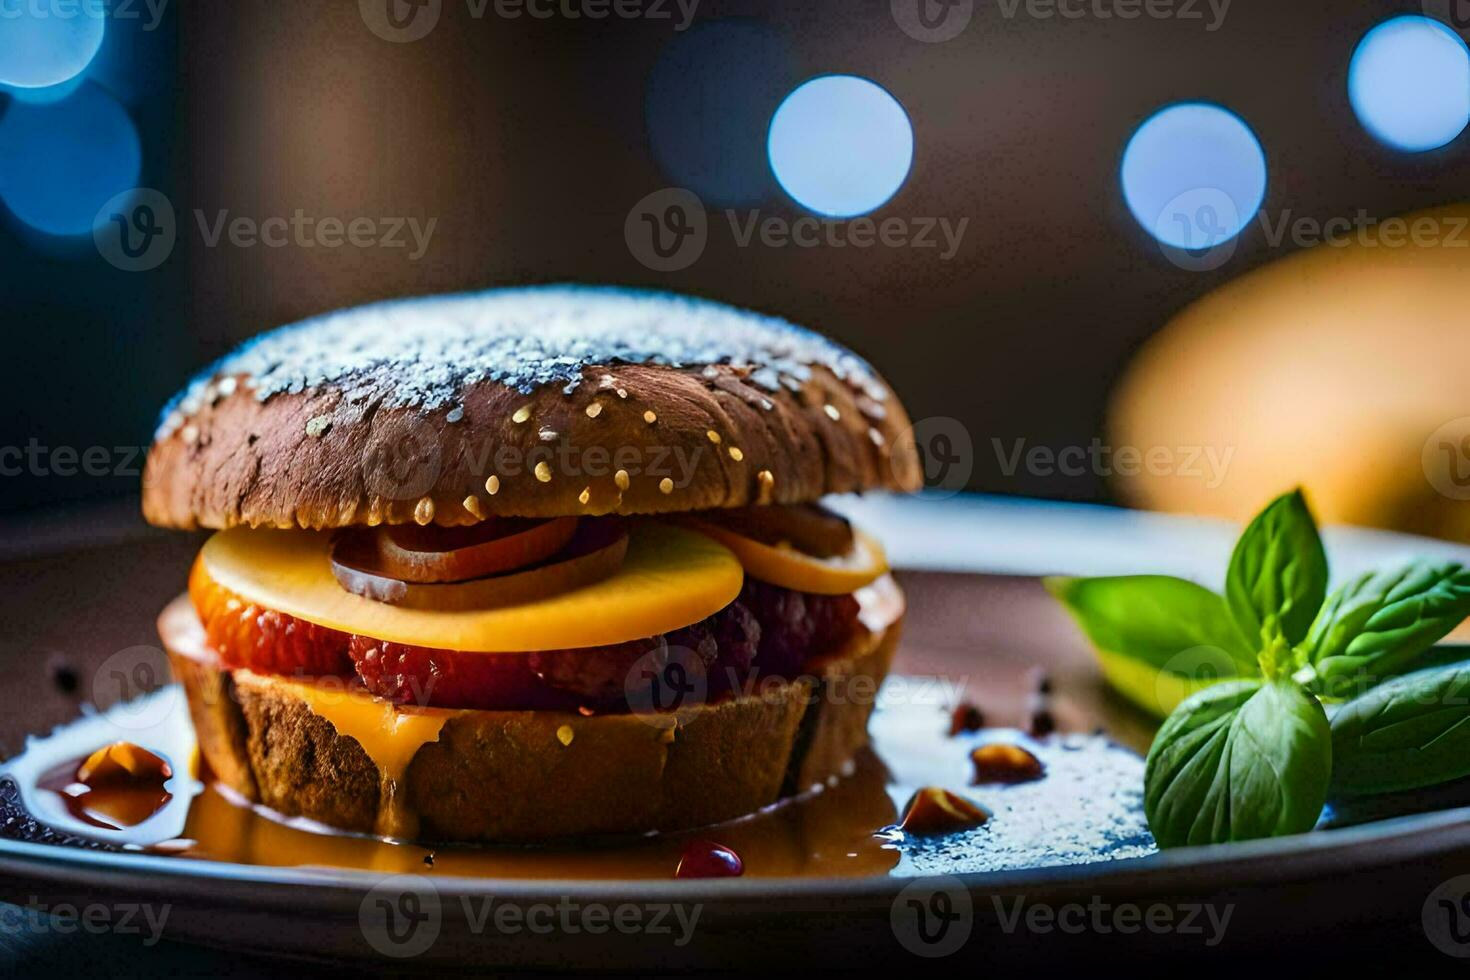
<point>1278,573</point>
<point>1378,624</point>
<point>1156,637</point>
<point>1411,732</point>
<point>1239,761</point>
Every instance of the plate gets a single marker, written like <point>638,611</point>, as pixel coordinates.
<point>80,601</point>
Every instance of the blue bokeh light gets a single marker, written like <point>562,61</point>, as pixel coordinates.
<point>46,44</point>
<point>710,99</point>
<point>840,145</point>
<point>1409,83</point>
<point>47,95</point>
<point>1194,175</point>
<point>60,163</point>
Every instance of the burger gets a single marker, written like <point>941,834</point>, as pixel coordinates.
<point>530,565</point>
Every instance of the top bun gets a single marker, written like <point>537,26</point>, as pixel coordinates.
<point>535,402</point>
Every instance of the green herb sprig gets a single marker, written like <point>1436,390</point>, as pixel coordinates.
<point>1247,750</point>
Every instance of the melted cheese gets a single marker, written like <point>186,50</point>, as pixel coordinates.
<point>671,577</point>
<point>389,735</point>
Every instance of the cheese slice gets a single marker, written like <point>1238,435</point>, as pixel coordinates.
<point>671,577</point>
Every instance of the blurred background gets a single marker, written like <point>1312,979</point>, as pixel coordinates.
<point>1106,250</point>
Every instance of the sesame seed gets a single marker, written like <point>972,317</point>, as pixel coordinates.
<point>621,479</point>
<point>564,734</point>
<point>649,417</point>
<point>455,414</point>
<point>191,433</point>
<point>522,413</point>
<point>547,434</point>
<point>318,426</point>
<point>767,481</point>
<point>832,412</point>
<point>713,436</point>
<point>423,511</point>
<point>585,497</point>
<point>876,436</point>
<point>665,485</point>
<point>226,386</point>
<point>594,410</point>
<point>472,504</point>
<point>492,485</point>
<point>543,472</point>
<point>736,454</point>
<point>622,392</point>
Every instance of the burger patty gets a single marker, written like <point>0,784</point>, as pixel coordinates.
<point>767,631</point>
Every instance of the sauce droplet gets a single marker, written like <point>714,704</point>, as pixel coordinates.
<point>1002,762</point>
<point>709,859</point>
<point>119,785</point>
<point>965,718</point>
<point>123,763</point>
<point>1041,721</point>
<point>934,810</point>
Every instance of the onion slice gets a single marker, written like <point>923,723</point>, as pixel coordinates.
<point>437,554</point>
<point>809,528</point>
<point>783,565</point>
<point>595,552</point>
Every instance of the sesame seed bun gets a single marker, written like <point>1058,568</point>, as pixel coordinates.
<point>533,402</point>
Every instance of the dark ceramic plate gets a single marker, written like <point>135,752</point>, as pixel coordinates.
<point>75,591</point>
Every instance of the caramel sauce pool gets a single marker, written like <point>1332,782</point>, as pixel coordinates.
<point>1087,808</point>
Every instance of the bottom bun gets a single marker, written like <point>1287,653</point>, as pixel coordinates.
<point>523,776</point>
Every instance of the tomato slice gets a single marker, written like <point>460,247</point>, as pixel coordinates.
<point>454,554</point>
<point>779,564</point>
<point>595,553</point>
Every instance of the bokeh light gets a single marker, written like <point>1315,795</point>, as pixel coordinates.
<point>840,145</point>
<point>1409,83</point>
<point>1193,175</point>
<point>47,95</point>
<point>710,98</point>
<point>45,44</point>
<point>60,163</point>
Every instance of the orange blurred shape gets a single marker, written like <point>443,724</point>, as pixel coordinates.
<point>1344,368</point>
